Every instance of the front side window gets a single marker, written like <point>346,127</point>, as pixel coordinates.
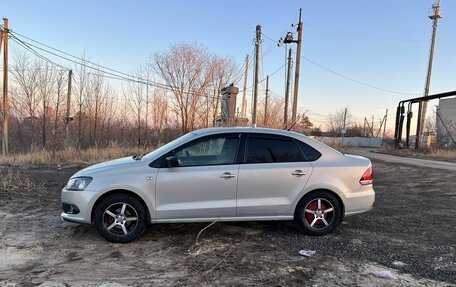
<point>210,150</point>
<point>270,150</point>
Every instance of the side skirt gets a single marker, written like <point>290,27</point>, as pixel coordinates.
<point>222,219</point>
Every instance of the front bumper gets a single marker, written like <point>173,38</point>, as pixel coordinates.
<point>84,200</point>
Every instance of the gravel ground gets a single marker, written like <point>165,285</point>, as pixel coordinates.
<point>410,232</point>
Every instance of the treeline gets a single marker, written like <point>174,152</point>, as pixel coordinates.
<point>174,92</point>
<point>178,91</point>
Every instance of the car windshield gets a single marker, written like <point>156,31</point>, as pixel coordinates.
<point>175,143</point>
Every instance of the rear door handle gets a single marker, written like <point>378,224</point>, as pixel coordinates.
<point>227,175</point>
<point>298,173</point>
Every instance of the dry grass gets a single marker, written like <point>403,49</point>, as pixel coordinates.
<point>70,155</point>
<point>12,179</point>
<point>425,153</point>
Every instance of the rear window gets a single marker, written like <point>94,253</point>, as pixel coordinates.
<point>269,150</point>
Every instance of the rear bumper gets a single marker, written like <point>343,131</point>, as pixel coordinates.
<point>359,202</point>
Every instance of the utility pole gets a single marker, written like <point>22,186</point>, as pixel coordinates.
<point>384,127</point>
<point>287,90</point>
<point>266,102</point>
<point>68,106</point>
<point>244,101</point>
<point>257,69</point>
<point>343,129</point>
<point>298,63</point>
<point>372,126</point>
<point>422,107</point>
<point>5,88</point>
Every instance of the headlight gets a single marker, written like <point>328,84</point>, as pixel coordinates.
<point>78,183</point>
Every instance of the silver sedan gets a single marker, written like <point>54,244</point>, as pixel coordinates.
<point>224,174</point>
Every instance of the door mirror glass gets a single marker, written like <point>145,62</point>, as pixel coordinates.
<point>172,161</point>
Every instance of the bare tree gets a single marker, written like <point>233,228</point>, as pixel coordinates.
<point>134,97</point>
<point>223,73</point>
<point>184,69</point>
<point>160,116</point>
<point>274,113</point>
<point>95,103</point>
<point>81,86</point>
<point>46,92</point>
<point>60,87</point>
<point>25,100</point>
<point>336,122</point>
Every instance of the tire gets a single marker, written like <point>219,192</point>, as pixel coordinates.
<point>318,213</point>
<point>120,218</point>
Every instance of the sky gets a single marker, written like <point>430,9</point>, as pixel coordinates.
<point>379,43</point>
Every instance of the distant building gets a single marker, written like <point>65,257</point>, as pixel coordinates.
<point>446,120</point>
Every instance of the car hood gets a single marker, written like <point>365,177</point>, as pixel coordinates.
<point>107,166</point>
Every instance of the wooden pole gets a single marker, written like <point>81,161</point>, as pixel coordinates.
<point>257,70</point>
<point>287,90</point>
<point>5,89</point>
<point>68,106</point>
<point>298,64</point>
<point>266,102</point>
<point>244,101</point>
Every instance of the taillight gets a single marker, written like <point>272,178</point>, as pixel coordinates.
<point>366,179</point>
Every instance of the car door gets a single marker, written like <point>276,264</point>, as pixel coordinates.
<point>275,171</point>
<point>203,185</point>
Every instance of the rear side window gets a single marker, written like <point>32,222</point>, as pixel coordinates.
<point>269,150</point>
<point>310,153</point>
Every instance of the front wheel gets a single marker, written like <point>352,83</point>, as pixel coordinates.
<point>318,213</point>
<point>120,218</point>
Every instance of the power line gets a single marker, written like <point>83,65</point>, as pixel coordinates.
<point>241,72</point>
<point>355,81</point>
<point>27,47</point>
<point>349,78</point>
<point>96,67</point>
<point>264,79</point>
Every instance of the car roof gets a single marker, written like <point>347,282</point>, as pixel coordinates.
<point>217,130</point>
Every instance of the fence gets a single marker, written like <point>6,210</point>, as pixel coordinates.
<point>352,141</point>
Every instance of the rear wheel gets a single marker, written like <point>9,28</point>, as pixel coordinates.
<point>120,218</point>
<point>318,213</point>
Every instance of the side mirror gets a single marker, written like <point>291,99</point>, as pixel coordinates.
<point>172,161</point>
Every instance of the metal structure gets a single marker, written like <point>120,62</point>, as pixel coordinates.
<point>446,122</point>
<point>435,15</point>
<point>228,105</point>
<point>400,111</point>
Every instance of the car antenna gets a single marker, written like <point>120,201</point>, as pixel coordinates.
<point>297,120</point>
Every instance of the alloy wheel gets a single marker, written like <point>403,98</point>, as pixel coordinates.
<point>319,213</point>
<point>120,219</point>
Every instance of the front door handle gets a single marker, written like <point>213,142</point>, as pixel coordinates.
<point>298,173</point>
<point>227,175</point>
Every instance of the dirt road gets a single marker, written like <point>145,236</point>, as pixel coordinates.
<point>371,154</point>
<point>410,232</point>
